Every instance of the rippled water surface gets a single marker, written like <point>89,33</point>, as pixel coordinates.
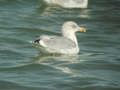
<point>23,67</point>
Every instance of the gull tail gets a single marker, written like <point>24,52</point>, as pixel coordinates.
<point>35,42</point>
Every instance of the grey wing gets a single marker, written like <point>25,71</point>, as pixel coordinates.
<point>56,42</point>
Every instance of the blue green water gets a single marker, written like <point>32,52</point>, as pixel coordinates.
<point>23,67</point>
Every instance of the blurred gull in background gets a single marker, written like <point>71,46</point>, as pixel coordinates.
<point>69,3</point>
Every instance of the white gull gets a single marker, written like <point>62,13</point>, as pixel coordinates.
<point>69,3</point>
<point>65,44</point>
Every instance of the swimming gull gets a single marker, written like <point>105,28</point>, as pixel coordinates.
<point>65,44</point>
<point>69,3</point>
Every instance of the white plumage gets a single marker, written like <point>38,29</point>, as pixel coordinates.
<point>69,3</point>
<point>65,44</point>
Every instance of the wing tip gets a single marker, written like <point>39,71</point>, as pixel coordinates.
<point>34,42</point>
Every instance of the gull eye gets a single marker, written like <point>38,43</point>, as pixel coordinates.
<point>74,26</point>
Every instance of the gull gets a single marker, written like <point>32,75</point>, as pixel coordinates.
<point>64,44</point>
<point>69,3</point>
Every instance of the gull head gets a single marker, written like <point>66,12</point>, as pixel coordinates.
<point>72,27</point>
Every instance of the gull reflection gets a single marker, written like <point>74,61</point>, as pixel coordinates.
<point>64,69</point>
<point>44,11</point>
<point>62,63</point>
<point>84,13</point>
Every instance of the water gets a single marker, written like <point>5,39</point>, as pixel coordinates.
<point>23,67</point>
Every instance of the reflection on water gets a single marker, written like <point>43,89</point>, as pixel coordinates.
<point>57,61</point>
<point>58,11</point>
<point>60,62</point>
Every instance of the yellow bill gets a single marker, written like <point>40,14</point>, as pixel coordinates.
<point>82,29</point>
